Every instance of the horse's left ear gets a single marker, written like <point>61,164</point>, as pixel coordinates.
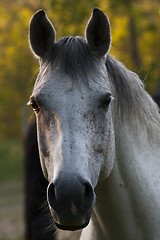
<point>41,34</point>
<point>98,33</point>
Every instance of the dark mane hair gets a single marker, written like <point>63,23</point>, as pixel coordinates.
<point>73,56</point>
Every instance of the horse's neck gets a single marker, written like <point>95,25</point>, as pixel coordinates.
<point>138,157</point>
<point>130,203</point>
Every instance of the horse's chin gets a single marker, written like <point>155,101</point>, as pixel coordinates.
<point>71,228</point>
<point>71,222</point>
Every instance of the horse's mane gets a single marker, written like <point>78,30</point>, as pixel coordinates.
<point>73,56</point>
<point>132,99</point>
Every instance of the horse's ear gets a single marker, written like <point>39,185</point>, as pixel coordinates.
<point>41,33</point>
<point>98,33</point>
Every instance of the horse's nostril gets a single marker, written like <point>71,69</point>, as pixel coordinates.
<point>88,195</point>
<point>52,196</point>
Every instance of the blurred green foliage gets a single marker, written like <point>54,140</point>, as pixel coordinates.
<point>11,166</point>
<point>135,42</point>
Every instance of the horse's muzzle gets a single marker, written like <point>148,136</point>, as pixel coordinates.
<point>71,201</point>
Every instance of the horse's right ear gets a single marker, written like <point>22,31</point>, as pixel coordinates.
<point>41,34</point>
<point>98,33</point>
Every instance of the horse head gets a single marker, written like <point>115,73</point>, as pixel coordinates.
<point>72,102</point>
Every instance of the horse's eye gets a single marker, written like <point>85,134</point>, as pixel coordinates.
<point>106,100</point>
<point>32,102</point>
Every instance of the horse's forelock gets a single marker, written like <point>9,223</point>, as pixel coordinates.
<point>73,57</point>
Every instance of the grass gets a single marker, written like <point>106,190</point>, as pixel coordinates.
<point>11,191</point>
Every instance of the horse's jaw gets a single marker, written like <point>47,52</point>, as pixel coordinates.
<point>71,228</point>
